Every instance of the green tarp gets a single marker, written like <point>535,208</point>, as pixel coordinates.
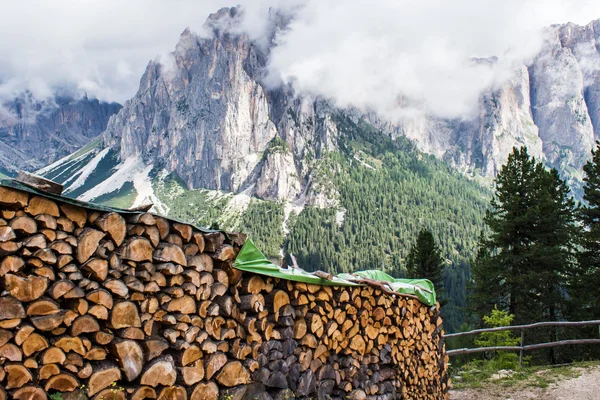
<point>251,259</point>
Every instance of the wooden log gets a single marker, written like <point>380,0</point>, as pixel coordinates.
<point>30,393</point>
<point>173,393</point>
<point>225,253</point>
<point>190,355</point>
<point>95,269</point>
<point>75,214</point>
<point>5,336</point>
<point>23,226</point>
<point>11,308</point>
<point>41,205</point>
<point>184,305</point>
<point>33,243</point>
<point>53,355</point>
<point>214,364</point>
<point>87,244</point>
<point>185,231</point>
<point>200,263</point>
<point>117,287</point>
<point>163,227</point>
<point>46,221</point>
<point>154,347</point>
<point>111,394</point>
<point>233,374</point>
<point>160,372</point>
<point>193,373</point>
<point>142,218</point>
<point>17,376</point>
<point>170,253</point>
<point>114,226</point>
<point>130,356</point>
<point>61,288</point>
<point>11,352</point>
<point>277,299</point>
<point>39,182</point>
<point>11,264</point>
<point>47,371</point>
<point>136,249</point>
<point>144,392</point>
<point>74,344</point>
<point>23,334</point>
<point>25,289</point>
<point>103,378</point>
<point>101,297</point>
<point>65,225</point>
<point>62,382</point>
<point>7,233</point>
<point>84,324</point>
<point>34,344</point>
<point>205,391</point>
<point>213,241</point>
<point>10,247</point>
<point>125,314</point>
<point>13,199</point>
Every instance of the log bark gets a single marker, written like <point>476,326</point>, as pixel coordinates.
<point>39,182</point>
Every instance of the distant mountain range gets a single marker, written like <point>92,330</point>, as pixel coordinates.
<point>35,133</point>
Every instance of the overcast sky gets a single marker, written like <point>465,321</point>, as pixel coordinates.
<point>357,52</point>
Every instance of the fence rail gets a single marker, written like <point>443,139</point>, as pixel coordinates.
<point>522,348</point>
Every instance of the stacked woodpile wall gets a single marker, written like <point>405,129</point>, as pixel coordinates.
<point>109,306</point>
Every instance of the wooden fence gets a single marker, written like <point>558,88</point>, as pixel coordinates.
<point>522,348</point>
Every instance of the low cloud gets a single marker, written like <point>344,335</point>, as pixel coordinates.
<point>374,55</point>
<point>362,53</point>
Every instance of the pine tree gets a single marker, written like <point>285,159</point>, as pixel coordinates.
<point>425,261</point>
<point>589,285</point>
<point>524,263</point>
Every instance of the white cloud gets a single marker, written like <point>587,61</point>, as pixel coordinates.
<point>358,52</point>
<point>373,54</point>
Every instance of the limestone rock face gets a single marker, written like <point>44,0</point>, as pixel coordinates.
<point>35,133</point>
<point>551,106</point>
<point>202,112</point>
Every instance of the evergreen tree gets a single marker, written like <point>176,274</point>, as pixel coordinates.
<point>425,261</point>
<point>589,285</point>
<point>524,264</point>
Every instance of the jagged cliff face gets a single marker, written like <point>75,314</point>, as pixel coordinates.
<point>204,114</point>
<point>35,133</point>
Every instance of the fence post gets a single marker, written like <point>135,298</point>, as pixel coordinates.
<point>521,351</point>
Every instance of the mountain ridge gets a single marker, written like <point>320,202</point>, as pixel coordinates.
<point>35,133</point>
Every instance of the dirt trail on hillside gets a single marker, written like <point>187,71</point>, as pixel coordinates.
<point>584,387</point>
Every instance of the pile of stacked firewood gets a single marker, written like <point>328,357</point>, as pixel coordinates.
<point>131,306</point>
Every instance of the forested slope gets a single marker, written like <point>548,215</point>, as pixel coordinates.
<point>387,191</point>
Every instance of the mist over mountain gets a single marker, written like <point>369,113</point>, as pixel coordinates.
<point>34,133</point>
